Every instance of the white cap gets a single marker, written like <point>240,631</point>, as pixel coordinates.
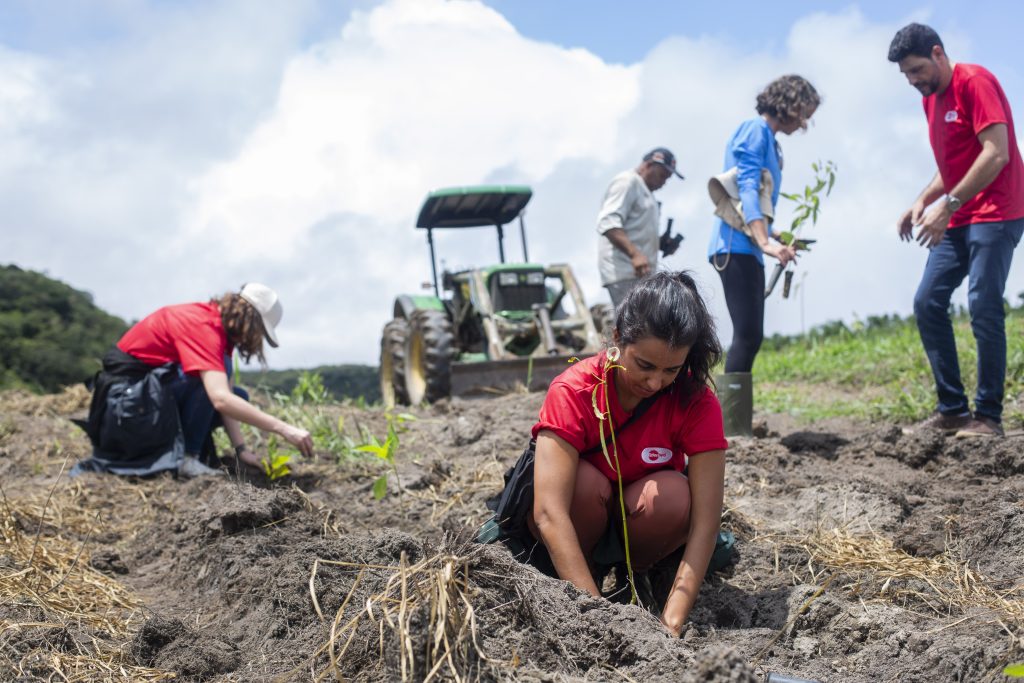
<point>266,303</point>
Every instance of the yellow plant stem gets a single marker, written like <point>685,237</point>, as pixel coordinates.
<point>613,355</point>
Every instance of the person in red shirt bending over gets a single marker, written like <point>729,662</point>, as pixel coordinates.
<point>196,341</point>
<point>671,457</point>
<point>971,230</point>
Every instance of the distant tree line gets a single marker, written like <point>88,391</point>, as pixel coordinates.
<point>340,381</point>
<point>51,335</point>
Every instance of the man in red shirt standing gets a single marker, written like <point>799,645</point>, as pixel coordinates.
<point>973,228</point>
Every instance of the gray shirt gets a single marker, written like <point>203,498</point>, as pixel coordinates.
<point>630,205</point>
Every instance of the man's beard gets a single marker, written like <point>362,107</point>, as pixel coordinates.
<point>929,88</point>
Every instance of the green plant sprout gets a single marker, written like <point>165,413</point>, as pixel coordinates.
<point>612,457</point>
<point>275,464</point>
<point>808,208</point>
<point>386,452</point>
<point>1014,670</point>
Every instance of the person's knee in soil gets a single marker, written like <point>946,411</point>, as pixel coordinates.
<point>653,389</point>
<point>658,517</point>
<point>590,508</point>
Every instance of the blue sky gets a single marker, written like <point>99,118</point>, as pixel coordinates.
<point>153,152</point>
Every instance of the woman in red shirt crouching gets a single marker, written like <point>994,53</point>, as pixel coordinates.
<point>189,346</point>
<point>671,457</point>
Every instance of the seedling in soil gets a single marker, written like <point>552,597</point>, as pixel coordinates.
<point>386,452</point>
<point>275,464</point>
<point>1014,671</point>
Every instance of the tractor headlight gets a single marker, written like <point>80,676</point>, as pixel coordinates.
<point>508,279</point>
<point>535,278</point>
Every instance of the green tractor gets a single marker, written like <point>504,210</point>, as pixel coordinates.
<point>485,329</point>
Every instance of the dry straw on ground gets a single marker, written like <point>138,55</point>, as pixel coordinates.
<point>873,568</point>
<point>423,618</point>
<point>59,618</point>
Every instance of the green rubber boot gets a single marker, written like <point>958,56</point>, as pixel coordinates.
<point>735,392</point>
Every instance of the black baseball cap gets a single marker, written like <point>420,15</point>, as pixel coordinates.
<point>663,157</point>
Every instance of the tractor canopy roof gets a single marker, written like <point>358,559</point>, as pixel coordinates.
<point>473,206</point>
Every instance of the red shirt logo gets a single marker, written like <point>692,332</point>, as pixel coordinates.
<point>656,456</point>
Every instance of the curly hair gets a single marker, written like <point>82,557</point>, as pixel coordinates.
<point>914,39</point>
<point>788,98</point>
<point>243,326</point>
<point>667,306</point>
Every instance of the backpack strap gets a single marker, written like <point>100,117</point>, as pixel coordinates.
<point>638,412</point>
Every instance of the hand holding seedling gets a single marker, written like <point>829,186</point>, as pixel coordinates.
<point>808,207</point>
<point>783,252</point>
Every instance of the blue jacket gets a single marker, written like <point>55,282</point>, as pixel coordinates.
<point>751,148</point>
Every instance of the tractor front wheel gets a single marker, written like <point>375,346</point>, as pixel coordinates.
<point>428,357</point>
<point>392,363</point>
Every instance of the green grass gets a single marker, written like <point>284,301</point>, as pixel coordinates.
<point>874,369</point>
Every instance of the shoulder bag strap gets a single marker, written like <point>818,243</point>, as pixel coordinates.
<point>638,412</point>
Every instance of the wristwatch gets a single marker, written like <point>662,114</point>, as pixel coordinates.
<point>953,203</point>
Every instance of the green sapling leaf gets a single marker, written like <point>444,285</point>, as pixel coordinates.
<point>380,487</point>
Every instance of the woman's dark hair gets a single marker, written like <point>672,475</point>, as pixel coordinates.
<point>667,306</point>
<point>788,98</point>
<point>243,326</point>
<point>914,39</point>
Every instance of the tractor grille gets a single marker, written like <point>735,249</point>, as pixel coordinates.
<point>519,297</point>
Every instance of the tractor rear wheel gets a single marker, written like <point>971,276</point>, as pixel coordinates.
<point>604,320</point>
<point>392,363</point>
<point>428,357</point>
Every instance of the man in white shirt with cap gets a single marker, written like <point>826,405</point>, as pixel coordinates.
<point>628,223</point>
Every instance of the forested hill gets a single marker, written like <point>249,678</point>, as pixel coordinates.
<point>51,335</point>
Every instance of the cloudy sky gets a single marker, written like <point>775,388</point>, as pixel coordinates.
<point>156,152</point>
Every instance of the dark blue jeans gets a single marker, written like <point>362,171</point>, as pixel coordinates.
<point>981,252</point>
<point>198,418</point>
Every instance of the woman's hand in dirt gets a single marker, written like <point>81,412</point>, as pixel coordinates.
<point>299,438</point>
<point>674,627</point>
<point>251,459</point>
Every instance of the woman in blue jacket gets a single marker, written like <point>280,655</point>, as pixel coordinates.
<point>784,106</point>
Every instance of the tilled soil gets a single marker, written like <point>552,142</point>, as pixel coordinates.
<point>864,553</point>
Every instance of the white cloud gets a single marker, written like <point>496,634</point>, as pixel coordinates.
<point>185,161</point>
<point>413,95</point>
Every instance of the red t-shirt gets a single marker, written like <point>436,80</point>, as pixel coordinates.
<point>189,334</point>
<point>974,101</point>
<point>661,439</point>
